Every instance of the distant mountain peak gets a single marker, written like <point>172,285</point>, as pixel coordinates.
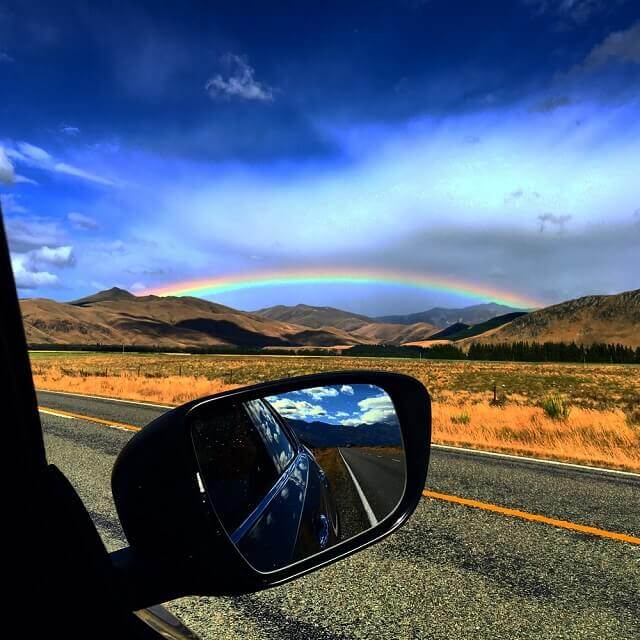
<point>115,293</point>
<point>444,317</point>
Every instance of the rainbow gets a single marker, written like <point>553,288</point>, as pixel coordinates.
<point>353,276</point>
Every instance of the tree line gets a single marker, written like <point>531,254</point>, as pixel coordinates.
<point>509,351</point>
<point>555,352</point>
<point>513,352</point>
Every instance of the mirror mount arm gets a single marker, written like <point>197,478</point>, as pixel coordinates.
<point>143,582</point>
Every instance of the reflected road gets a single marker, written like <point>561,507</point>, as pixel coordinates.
<point>380,476</point>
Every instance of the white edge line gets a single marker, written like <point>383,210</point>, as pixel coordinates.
<point>373,521</point>
<point>555,463</point>
<point>108,399</point>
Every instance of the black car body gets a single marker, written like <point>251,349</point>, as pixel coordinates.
<point>290,507</point>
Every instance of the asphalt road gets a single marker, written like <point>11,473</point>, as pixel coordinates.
<point>379,476</point>
<point>452,572</point>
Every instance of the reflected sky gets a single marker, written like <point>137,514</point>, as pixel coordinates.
<point>349,405</point>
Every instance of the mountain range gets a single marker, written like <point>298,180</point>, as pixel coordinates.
<point>320,434</point>
<point>116,317</point>
<point>442,317</point>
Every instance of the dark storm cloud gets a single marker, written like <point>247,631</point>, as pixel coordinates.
<point>598,258</point>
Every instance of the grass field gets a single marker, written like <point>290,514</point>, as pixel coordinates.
<point>603,401</point>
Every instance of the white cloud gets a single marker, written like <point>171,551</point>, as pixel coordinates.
<point>7,172</point>
<point>574,158</point>
<point>136,287</point>
<point>57,256</point>
<point>31,152</point>
<point>237,82</point>
<point>27,276</point>
<point>69,130</point>
<point>622,46</point>
<point>346,389</point>
<point>5,57</point>
<point>10,204</point>
<point>81,221</point>
<point>24,180</point>
<point>318,393</point>
<point>63,167</point>
<point>577,11</point>
<point>373,410</point>
<point>297,409</point>
<point>35,157</point>
<point>30,233</point>
<point>30,267</point>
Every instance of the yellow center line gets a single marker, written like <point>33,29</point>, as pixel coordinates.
<point>532,517</point>
<point>79,416</point>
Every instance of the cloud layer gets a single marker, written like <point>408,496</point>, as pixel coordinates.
<point>210,149</point>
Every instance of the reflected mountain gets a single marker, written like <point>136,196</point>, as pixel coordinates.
<point>320,434</point>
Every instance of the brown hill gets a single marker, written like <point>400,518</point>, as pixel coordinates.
<point>588,320</point>
<point>359,326</point>
<point>386,333</point>
<point>117,317</point>
<point>315,317</point>
<point>442,317</point>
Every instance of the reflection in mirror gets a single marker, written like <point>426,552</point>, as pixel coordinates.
<point>293,474</point>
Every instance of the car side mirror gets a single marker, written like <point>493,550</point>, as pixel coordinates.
<point>253,487</point>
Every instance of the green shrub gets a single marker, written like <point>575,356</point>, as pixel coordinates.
<point>556,408</point>
<point>463,418</point>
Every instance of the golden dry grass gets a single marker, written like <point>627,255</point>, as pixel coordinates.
<point>172,390</point>
<point>599,438</point>
<point>598,430</point>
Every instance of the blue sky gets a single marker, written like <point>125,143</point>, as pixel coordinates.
<point>497,142</point>
<point>350,405</point>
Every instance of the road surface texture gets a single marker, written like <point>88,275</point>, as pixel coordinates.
<point>453,571</point>
<point>380,478</point>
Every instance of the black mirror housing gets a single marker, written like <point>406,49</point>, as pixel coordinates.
<point>178,544</point>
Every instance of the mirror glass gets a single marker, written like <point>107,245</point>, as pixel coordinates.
<point>293,474</point>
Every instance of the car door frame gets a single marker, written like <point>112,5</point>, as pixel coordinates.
<point>60,573</point>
